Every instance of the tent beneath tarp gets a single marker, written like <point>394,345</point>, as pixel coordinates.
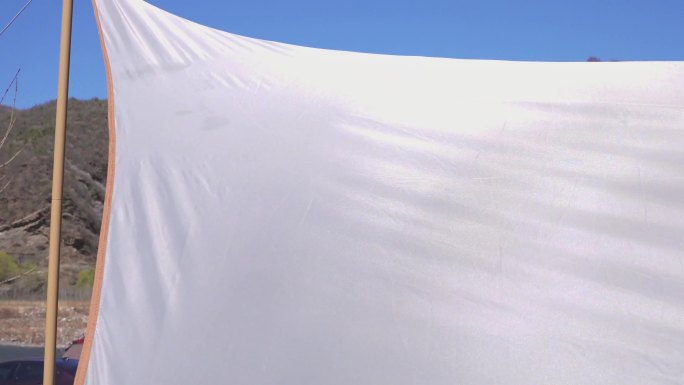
<point>279,214</point>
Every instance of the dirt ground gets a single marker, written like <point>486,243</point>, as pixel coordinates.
<point>23,322</point>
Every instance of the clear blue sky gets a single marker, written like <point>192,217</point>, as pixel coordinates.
<point>542,30</point>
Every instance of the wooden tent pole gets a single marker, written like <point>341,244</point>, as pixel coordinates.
<point>57,191</point>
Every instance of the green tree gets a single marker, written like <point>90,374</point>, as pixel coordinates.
<point>85,278</point>
<point>8,266</point>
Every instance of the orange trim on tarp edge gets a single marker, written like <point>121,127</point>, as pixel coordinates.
<point>104,228</point>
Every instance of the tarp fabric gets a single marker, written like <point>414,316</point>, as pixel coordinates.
<point>286,215</point>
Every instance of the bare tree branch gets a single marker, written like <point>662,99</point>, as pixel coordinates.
<point>14,18</point>
<point>12,120</point>
<point>9,87</point>
<point>10,159</point>
<point>4,187</point>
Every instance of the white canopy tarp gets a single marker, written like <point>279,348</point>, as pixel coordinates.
<point>286,215</point>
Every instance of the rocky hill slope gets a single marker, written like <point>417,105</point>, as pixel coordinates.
<point>25,202</point>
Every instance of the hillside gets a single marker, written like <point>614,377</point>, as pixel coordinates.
<point>25,203</point>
